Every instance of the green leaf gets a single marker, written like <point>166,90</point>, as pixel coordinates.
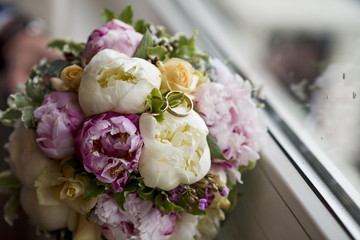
<point>176,99</point>
<point>27,116</point>
<point>120,198</point>
<point>10,209</point>
<point>93,190</point>
<point>215,151</point>
<point>35,93</point>
<point>10,116</point>
<point>76,48</point>
<point>158,51</point>
<point>165,205</point>
<point>9,181</point>
<point>132,186</point>
<point>233,196</point>
<point>147,193</point>
<point>57,44</point>
<point>145,43</point>
<point>155,93</point>
<point>251,165</point>
<point>107,15</point>
<point>156,103</point>
<point>126,15</point>
<point>160,118</point>
<point>56,67</point>
<point>18,100</point>
<point>186,49</point>
<point>66,47</point>
<point>141,26</point>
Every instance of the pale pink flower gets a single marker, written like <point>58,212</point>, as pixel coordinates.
<point>115,35</point>
<point>140,220</point>
<point>233,120</point>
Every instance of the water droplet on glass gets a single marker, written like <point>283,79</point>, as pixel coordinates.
<point>344,75</point>
<point>354,95</point>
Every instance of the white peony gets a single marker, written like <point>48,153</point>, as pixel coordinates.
<point>114,82</point>
<point>175,150</point>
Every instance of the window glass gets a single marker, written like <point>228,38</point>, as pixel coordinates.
<point>306,57</point>
<point>309,54</point>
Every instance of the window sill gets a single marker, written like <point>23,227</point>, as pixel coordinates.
<point>276,203</point>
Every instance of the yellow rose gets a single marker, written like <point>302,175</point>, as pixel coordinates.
<point>71,75</point>
<point>178,75</point>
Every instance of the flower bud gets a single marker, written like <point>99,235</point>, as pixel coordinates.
<point>71,75</point>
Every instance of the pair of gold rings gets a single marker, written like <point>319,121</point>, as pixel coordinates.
<point>167,107</point>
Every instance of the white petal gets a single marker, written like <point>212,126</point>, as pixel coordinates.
<point>116,94</point>
<point>166,165</point>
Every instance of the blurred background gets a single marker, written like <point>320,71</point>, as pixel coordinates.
<point>304,54</point>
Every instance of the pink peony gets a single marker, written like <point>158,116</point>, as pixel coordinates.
<point>59,117</point>
<point>110,146</point>
<point>140,220</point>
<point>234,121</point>
<point>115,35</point>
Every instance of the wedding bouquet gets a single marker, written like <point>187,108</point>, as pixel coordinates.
<point>133,135</point>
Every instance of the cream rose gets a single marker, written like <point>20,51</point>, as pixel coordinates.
<point>58,188</point>
<point>71,75</point>
<point>114,82</point>
<point>179,75</point>
<point>26,160</point>
<point>48,218</point>
<point>86,229</point>
<point>175,150</point>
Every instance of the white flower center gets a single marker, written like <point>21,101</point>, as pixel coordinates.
<point>107,75</point>
<point>188,140</point>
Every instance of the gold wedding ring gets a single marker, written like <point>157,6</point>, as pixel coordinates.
<point>163,110</point>
<point>190,105</point>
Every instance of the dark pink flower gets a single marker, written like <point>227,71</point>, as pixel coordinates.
<point>115,35</point>
<point>59,118</point>
<point>110,146</point>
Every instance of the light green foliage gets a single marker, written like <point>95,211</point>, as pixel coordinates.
<point>9,184</point>
<point>10,209</point>
<point>67,47</point>
<point>23,103</point>
<point>145,43</point>
<point>156,103</point>
<point>94,189</point>
<point>215,151</point>
<point>250,166</point>
<point>126,15</point>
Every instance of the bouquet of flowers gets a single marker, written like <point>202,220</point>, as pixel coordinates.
<point>133,135</point>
